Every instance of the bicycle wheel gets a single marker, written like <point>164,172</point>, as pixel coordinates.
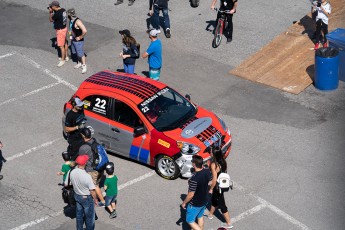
<point>217,35</point>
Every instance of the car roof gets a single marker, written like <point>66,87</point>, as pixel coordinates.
<point>137,88</point>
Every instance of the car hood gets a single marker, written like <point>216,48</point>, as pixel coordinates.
<point>202,130</point>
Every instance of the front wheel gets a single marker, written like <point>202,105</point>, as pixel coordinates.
<point>194,3</point>
<point>167,168</point>
<point>217,36</point>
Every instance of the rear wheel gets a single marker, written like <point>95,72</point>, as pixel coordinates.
<point>167,168</point>
<point>217,36</point>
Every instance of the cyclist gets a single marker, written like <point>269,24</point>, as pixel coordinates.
<point>230,5</point>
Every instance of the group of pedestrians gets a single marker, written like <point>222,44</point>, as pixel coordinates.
<point>76,31</point>
<point>80,173</point>
<point>202,186</point>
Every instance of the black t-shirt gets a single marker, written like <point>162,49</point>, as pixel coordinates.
<point>198,183</point>
<point>73,119</point>
<point>60,19</point>
<point>227,4</point>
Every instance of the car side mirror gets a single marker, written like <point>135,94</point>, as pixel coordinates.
<point>188,97</point>
<point>139,130</point>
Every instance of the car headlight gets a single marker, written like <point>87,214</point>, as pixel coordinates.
<point>225,128</point>
<point>187,148</point>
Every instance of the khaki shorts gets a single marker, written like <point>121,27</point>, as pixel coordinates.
<point>61,36</point>
<point>96,177</point>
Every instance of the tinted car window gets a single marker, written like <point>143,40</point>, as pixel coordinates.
<point>97,104</point>
<point>124,114</point>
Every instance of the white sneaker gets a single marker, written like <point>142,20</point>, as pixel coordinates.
<point>84,69</point>
<point>77,66</point>
<point>59,59</point>
<point>61,63</point>
<point>158,31</point>
<point>67,58</point>
<point>225,225</point>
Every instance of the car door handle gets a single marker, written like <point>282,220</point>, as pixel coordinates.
<point>115,130</point>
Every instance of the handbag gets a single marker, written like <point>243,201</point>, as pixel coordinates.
<point>68,192</point>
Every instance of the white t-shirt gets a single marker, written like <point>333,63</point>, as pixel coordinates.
<point>81,181</point>
<point>321,15</point>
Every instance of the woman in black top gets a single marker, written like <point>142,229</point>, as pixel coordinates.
<point>218,166</point>
<point>129,52</point>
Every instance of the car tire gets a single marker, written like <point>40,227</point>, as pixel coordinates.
<point>167,168</point>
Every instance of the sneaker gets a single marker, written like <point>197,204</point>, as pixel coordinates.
<point>59,59</point>
<point>113,214</point>
<point>83,69</point>
<point>158,31</point>
<point>316,46</point>
<point>130,2</point>
<point>61,63</point>
<point>77,66</point>
<point>210,217</point>
<point>228,40</point>
<point>325,45</point>
<point>67,58</point>
<point>118,2</point>
<point>167,33</point>
<point>101,204</point>
<point>227,226</point>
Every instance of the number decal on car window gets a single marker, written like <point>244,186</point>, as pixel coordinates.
<point>100,103</point>
<point>145,109</point>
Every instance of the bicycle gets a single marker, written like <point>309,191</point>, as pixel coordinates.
<point>222,23</point>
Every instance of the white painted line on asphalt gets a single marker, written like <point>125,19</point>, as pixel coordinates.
<point>248,213</point>
<point>7,55</point>
<point>26,152</point>
<point>273,208</point>
<point>48,72</point>
<point>122,186</point>
<point>30,93</point>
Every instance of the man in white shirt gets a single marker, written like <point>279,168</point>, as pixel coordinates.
<point>323,11</point>
<point>84,194</point>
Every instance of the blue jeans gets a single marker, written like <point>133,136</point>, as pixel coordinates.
<point>77,48</point>
<point>128,68</point>
<point>85,209</point>
<point>155,17</point>
<point>194,212</point>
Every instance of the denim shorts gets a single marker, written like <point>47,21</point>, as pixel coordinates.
<point>194,212</point>
<point>78,48</point>
<point>109,200</point>
<point>155,74</point>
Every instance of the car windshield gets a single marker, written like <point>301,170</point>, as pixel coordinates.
<point>167,110</point>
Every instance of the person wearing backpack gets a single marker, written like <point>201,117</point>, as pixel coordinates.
<point>130,51</point>
<point>86,149</point>
<point>218,166</point>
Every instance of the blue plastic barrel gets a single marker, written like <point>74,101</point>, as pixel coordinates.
<point>336,39</point>
<point>326,69</point>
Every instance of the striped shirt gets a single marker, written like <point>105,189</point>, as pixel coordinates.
<point>199,184</point>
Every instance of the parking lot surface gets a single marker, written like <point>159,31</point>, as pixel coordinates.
<point>287,156</point>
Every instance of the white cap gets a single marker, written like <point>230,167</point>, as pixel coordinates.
<point>154,33</point>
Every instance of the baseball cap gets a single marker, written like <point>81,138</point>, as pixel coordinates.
<point>82,159</point>
<point>125,32</point>
<point>54,3</point>
<point>154,33</point>
<point>78,102</point>
<point>71,12</point>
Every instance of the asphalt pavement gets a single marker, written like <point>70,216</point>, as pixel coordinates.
<point>288,150</point>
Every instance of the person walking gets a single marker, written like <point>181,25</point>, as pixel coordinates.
<point>84,194</point>
<point>129,52</point>
<point>95,175</point>
<point>230,5</point>
<point>2,160</point>
<point>218,166</point>
<point>130,2</point>
<point>77,37</point>
<point>155,7</point>
<point>197,196</point>
<point>58,16</point>
<point>110,186</point>
<point>323,11</point>
<point>154,54</point>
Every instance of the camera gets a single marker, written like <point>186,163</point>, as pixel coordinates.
<point>48,7</point>
<point>318,4</point>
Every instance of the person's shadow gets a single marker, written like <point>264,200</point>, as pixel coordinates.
<point>211,23</point>
<point>182,219</point>
<point>69,211</point>
<point>146,73</point>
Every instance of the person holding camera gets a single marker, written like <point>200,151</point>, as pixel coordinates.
<point>323,9</point>
<point>58,16</point>
<point>73,123</point>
